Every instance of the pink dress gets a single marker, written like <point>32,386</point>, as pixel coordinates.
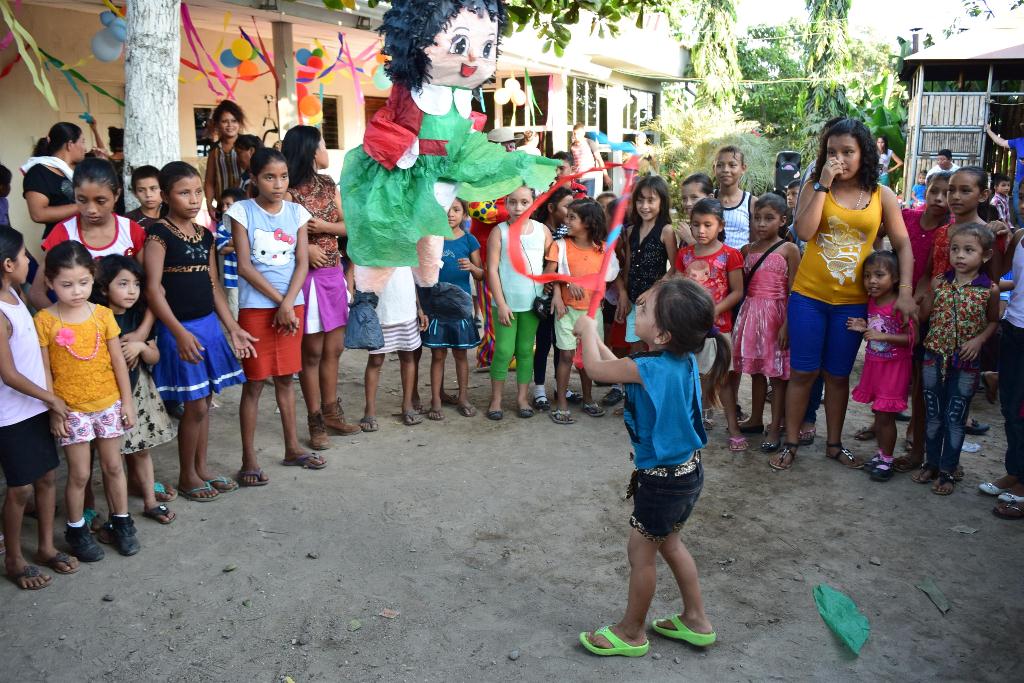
<point>755,339</point>
<point>885,380</point>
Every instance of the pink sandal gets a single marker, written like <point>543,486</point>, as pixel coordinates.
<point>738,444</point>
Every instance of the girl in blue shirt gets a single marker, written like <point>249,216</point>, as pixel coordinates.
<point>663,417</point>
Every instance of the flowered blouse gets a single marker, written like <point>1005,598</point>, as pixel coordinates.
<point>318,197</point>
<point>960,314</point>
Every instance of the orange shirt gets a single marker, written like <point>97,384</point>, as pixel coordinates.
<point>85,385</point>
<point>581,262</point>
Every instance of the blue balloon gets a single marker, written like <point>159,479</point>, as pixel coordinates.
<point>106,47</point>
<point>106,17</point>
<point>381,80</point>
<point>228,59</point>
<point>303,56</point>
<point>119,29</point>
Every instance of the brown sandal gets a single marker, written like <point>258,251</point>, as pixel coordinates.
<point>788,451</point>
<point>925,474</point>
<point>844,455</point>
<point>904,464</point>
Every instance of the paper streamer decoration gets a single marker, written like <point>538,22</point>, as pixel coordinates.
<point>193,37</point>
<point>6,41</point>
<point>72,73</point>
<point>29,51</point>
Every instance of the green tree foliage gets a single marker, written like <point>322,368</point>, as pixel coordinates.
<point>713,55</point>
<point>826,40</point>
<point>768,56</point>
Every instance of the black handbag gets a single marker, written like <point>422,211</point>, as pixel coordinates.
<point>542,306</point>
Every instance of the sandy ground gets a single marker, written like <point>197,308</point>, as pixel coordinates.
<point>489,538</point>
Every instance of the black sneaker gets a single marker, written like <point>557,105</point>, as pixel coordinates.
<point>882,472</point>
<point>121,534</point>
<point>83,545</point>
<point>613,397</point>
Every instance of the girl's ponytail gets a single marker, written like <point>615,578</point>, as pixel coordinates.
<point>718,375</point>
<point>41,147</point>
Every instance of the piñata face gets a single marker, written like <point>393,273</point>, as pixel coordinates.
<point>485,212</point>
<point>464,55</point>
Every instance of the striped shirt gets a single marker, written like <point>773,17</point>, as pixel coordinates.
<point>230,273</point>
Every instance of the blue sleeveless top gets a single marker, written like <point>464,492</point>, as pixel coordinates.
<point>663,415</point>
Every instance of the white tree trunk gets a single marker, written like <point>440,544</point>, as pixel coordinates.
<point>151,86</point>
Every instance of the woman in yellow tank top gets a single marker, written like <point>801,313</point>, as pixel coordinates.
<point>841,212</point>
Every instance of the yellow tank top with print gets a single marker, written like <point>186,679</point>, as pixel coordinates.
<point>830,270</point>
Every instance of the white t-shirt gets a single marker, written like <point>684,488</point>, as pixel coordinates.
<point>938,169</point>
<point>397,303</point>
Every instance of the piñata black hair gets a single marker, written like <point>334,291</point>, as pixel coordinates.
<point>410,26</point>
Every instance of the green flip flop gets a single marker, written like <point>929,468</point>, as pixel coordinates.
<point>681,632</point>
<point>619,646</point>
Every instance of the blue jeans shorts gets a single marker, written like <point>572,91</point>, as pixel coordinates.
<point>663,499</point>
<point>818,337</point>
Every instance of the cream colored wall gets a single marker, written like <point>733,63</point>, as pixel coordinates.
<point>25,116</point>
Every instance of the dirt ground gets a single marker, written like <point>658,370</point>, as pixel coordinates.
<point>497,543</point>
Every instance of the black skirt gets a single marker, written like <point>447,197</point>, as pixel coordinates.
<point>27,450</point>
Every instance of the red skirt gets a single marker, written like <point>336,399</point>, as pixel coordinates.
<point>277,354</point>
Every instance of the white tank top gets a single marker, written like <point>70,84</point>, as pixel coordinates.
<point>1015,308</point>
<point>15,406</point>
<point>520,291</point>
<point>737,223</point>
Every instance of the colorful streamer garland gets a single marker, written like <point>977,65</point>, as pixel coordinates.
<point>29,52</point>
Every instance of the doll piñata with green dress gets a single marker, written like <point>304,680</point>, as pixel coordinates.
<point>421,151</point>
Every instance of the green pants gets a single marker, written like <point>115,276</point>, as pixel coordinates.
<point>517,339</point>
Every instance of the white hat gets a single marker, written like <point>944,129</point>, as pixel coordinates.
<point>502,135</point>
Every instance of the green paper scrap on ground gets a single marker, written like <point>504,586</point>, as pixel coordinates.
<point>934,594</point>
<point>841,615</point>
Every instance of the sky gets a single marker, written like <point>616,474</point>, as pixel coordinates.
<point>887,19</point>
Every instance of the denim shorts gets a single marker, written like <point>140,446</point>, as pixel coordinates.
<point>818,336</point>
<point>662,504</point>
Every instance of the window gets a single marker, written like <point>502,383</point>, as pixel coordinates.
<point>583,101</point>
<point>329,126</point>
<point>639,111</point>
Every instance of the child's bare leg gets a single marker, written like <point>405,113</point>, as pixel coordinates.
<point>142,465</point>
<point>437,360</point>
<point>417,402</point>
<point>587,386</point>
<point>778,408</point>
<point>14,514</point>
<point>115,484</point>
<point>284,392</point>
<point>46,494</point>
<point>408,369</point>
<point>203,442</point>
<point>462,374</point>
<point>758,393</point>
<point>191,429</point>
<point>311,374</point>
<point>497,387</point>
<point>680,561</point>
<point>885,432</point>
<point>248,414</point>
<point>371,380</point>
<point>562,374</point>
<point>728,398</point>
<point>643,577</point>
<point>79,464</point>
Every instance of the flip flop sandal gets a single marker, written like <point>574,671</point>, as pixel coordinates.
<point>449,400</point>
<point>256,477</point>
<point>806,436</point>
<point>904,465</point>
<point>29,572</point>
<point>205,488</point>
<point>709,422</point>
<point>495,415</point>
<point>925,474</point>
<point>619,647</point>
<point>307,461</point>
<point>958,473</point>
<point>771,446</point>
<point>593,410</point>
<point>738,444</point>
<point>562,417</point>
<point>412,418</point>
<point>57,560</point>
<point>866,434</point>
<point>683,633</point>
<point>161,490</point>
<point>844,456</point>
<point>525,412</point>
<point>939,487</point>
<point>466,411</point>
<point>1009,511</point>
<point>435,415</point>
<point>368,424</point>
<point>788,450</point>
<point>1007,497</point>
<point>158,512</point>
<point>227,485</point>
<point>990,489</point>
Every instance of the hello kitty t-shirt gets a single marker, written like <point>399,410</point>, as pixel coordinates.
<point>712,273</point>
<point>272,240</point>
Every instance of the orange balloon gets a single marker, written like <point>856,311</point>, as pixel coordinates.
<point>309,105</point>
<point>248,70</point>
<point>381,58</point>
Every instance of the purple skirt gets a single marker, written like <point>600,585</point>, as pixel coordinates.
<point>326,297</point>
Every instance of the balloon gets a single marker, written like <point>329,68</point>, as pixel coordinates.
<point>302,56</point>
<point>512,84</point>
<point>105,46</point>
<point>106,17</point>
<point>304,72</point>
<point>518,98</point>
<point>248,70</point>
<point>119,29</point>
<point>301,91</point>
<point>241,49</point>
<point>229,60</point>
<point>315,119</point>
<point>381,80</point>
<point>381,58</point>
<point>315,62</point>
<point>318,52</point>
<point>502,96</point>
<point>309,105</point>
